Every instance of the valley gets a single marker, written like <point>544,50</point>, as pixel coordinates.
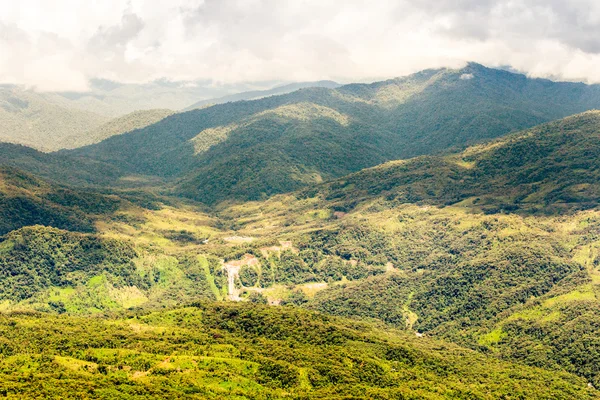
<point>344,242</point>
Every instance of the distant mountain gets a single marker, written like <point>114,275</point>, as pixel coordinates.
<point>29,118</point>
<point>257,94</point>
<point>127,123</point>
<point>253,149</point>
<point>115,99</point>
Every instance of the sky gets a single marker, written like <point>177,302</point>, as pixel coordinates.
<point>60,45</point>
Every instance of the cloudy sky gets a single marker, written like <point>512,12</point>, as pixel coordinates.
<point>61,44</point>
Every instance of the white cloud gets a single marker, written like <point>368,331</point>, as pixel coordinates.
<point>59,45</point>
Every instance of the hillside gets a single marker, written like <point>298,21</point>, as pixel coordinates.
<point>64,169</point>
<point>549,169</point>
<point>251,351</point>
<point>475,247</point>
<point>257,94</point>
<point>494,248</point>
<point>26,200</point>
<point>254,149</point>
<point>28,118</point>
<point>118,126</point>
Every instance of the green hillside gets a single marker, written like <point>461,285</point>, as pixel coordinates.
<point>548,169</point>
<point>494,248</point>
<point>28,118</point>
<point>476,247</point>
<point>68,170</point>
<point>253,149</point>
<point>126,123</point>
<point>26,200</point>
<point>227,351</point>
<point>258,94</point>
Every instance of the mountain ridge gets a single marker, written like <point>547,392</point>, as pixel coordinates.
<point>424,113</point>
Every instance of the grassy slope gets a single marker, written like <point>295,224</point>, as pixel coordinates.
<point>252,149</point>
<point>249,351</point>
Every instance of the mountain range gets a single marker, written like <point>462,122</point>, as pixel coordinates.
<point>55,121</point>
<point>431,236</point>
<point>249,150</point>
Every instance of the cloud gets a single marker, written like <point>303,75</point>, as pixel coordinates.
<point>60,45</point>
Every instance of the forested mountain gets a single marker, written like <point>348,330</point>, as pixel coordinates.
<point>257,94</point>
<point>252,149</point>
<point>28,118</point>
<point>373,279</point>
<point>57,167</point>
<point>548,169</point>
<point>118,126</point>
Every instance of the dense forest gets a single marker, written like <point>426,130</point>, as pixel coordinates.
<point>249,150</point>
<point>251,351</point>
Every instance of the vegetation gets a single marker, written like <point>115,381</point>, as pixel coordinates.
<point>26,200</point>
<point>249,150</point>
<point>251,351</point>
<point>118,126</point>
<point>258,94</point>
<point>30,119</point>
<point>494,248</point>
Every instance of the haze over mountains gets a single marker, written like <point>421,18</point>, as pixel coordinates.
<point>430,236</point>
<point>257,94</point>
<point>53,121</point>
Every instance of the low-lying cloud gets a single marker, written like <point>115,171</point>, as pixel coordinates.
<point>60,45</point>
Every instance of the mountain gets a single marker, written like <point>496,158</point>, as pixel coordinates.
<point>494,248</point>
<point>257,94</point>
<point>28,118</point>
<point>118,126</point>
<point>548,169</point>
<point>115,99</point>
<point>251,351</point>
<point>253,149</point>
<point>27,200</point>
<point>59,168</point>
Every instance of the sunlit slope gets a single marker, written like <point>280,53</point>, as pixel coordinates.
<point>253,149</point>
<point>249,351</point>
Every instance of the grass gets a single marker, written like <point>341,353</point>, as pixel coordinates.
<point>585,293</point>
